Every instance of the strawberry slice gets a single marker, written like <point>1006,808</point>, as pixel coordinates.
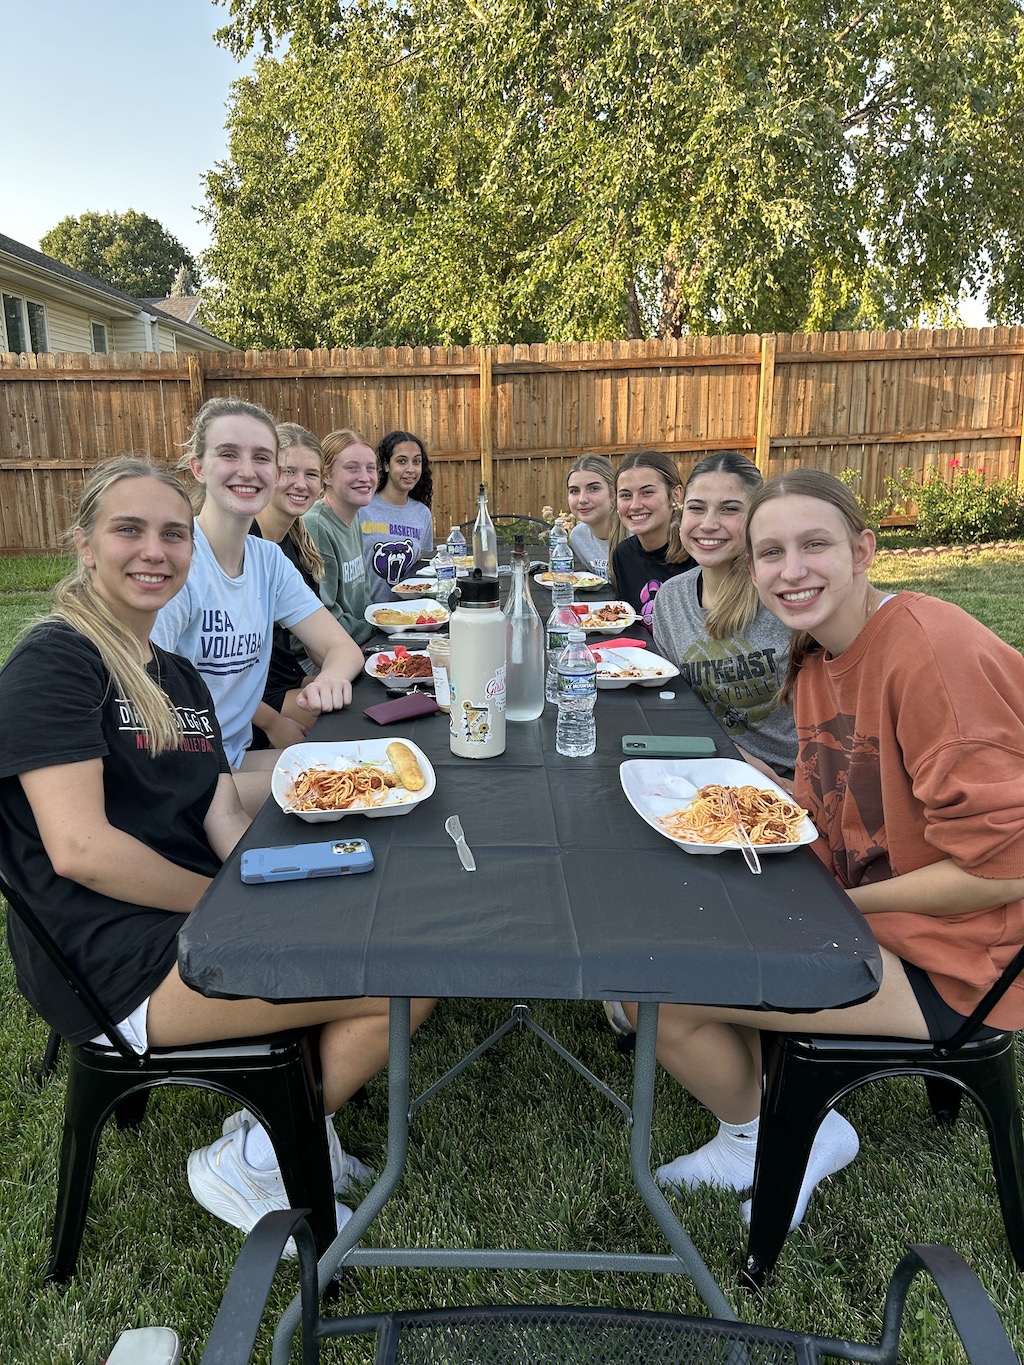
<point>423,620</point>
<point>401,652</point>
<point>581,609</point>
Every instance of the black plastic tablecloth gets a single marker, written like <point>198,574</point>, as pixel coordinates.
<point>574,896</point>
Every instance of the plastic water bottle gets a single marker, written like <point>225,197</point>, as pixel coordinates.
<point>485,539</point>
<point>560,553</point>
<point>444,568</point>
<point>457,545</point>
<point>524,677</point>
<point>576,730</point>
<point>559,623</point>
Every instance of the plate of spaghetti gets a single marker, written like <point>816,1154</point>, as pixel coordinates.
<point>691,802</point>
<point>371,777</point>
<point>400,667</point>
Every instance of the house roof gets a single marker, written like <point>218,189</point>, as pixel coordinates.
<point>37,262</point>
<point>180,306</point>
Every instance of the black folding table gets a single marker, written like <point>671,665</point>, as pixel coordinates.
<point>574,898</point>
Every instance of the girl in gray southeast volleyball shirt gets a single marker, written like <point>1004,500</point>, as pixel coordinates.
<point>737,678</point>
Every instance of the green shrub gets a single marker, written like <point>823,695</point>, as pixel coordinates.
<point>963,508</point>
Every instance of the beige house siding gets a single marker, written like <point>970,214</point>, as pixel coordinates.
<point>71,306</point>
<point>67,328</point>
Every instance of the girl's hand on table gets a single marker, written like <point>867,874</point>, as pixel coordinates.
<point>325,693</point>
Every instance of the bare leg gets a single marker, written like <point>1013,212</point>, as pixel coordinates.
<point>252,779</point>
<point>711,1051</point>
<point>353,1042</point>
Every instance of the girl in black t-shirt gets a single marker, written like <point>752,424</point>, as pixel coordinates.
<point>648,490</point>
<point>118,806</point>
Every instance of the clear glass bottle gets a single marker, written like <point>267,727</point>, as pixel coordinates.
<point>576,728</point>
<point>559,623</point>
<point>524,679</point>
<point>476,670</point>
<point>485,539</point>
<point>560,551</point>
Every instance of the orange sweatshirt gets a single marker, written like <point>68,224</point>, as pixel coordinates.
<point>912,751</point>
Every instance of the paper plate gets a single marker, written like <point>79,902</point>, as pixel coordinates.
<point>300,757</point>
<point>582,580</point>
<point>408,612</point>
<point>373,663</point>
<point>623,619</point>
<point>645,668</point>
<point>658,786</point>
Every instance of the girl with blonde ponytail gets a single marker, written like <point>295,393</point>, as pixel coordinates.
<point>117,806</point>
<point>728,647</point>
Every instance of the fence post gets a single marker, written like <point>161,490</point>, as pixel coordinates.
<point>487,422</point>
<point>195,381</point>
<point>765,401</point>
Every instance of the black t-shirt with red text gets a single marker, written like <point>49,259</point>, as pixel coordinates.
<point>58,707</point>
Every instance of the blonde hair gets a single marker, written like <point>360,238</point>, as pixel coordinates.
<point>195,446</point>
<point>738,602</point>
<point>806,483</point>
<point>76,602</point>
<point>289,436</point>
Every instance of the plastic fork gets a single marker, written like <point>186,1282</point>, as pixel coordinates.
<point>746,847</point>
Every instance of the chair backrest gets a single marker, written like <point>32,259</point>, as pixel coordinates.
<point>534,530</point>
<point>79,988</point>
<point>992,996</point>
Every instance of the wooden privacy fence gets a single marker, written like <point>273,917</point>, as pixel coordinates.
<point>517,416</point>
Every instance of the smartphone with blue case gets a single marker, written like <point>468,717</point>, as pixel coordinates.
<point>299,862</point>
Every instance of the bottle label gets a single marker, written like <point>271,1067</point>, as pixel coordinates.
<point>557,639</point>
<point>561,563</point>
<point>446,573</point>
<point>576,686</point>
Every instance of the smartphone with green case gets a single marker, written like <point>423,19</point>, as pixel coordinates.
<point>668,746</point>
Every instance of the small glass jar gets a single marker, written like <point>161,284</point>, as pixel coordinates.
<point>439,650</point>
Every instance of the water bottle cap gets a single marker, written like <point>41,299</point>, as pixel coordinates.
<point>576,637</point>
<point>479,591</point>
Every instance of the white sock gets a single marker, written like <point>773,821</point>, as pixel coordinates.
<point>835,1145</point>
<point>258,1151</point>
<point>724,1163</point>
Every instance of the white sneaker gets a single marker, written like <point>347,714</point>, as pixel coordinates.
<point>229,1188</point>
<point>616,1017</point>
<point>347,1170</point>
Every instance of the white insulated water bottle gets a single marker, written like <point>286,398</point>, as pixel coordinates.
<point>476,670</point>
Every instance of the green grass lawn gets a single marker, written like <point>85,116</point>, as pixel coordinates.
<point>540,1159</point>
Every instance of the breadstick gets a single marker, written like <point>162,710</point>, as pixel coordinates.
<point>407,770</point>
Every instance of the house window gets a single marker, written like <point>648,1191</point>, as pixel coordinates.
<point>24,325</point>
<point>99,338</point>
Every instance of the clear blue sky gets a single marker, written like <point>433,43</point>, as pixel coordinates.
<point>111,105</point>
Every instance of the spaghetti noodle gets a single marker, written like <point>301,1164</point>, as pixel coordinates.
<point>711,817</point>
<point>339,789</point>
<point>403,666</point>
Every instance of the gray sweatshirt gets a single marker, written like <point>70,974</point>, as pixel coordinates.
<point>737,678</point>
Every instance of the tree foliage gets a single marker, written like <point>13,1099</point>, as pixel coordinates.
<point>130,251</point>
<point>444,171</point>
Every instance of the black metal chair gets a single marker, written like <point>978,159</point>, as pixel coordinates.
<point>277,1077</point>
<point>534,530</point>
<point>583,1336</point>
<point>806,1075</point>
